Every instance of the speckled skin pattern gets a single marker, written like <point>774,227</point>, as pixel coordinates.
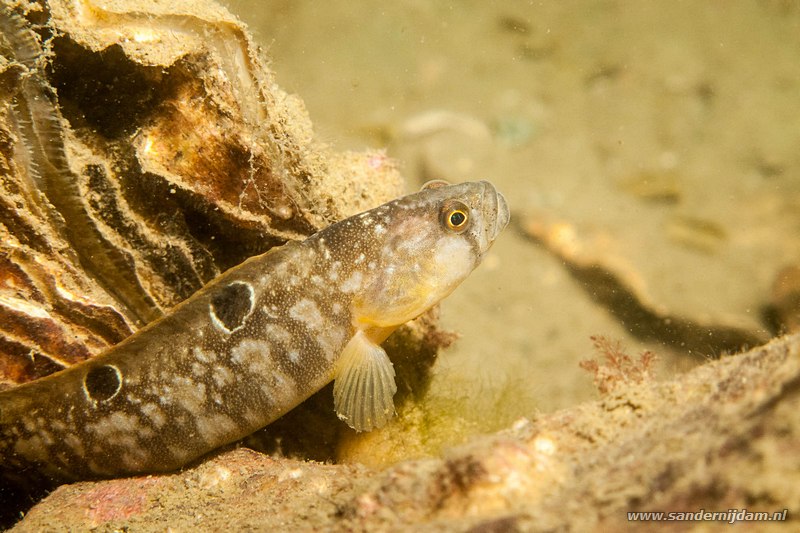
<point>249,346</point>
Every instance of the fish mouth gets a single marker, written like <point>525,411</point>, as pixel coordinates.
<point>496,212</point>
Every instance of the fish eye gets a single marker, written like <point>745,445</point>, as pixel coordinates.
<point>455,216</point>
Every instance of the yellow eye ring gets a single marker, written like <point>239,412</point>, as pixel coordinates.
<point>455,216</point>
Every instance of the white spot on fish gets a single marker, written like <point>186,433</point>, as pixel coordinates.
<point>279,389</point>
<point>351,284</point>
<point>271,311</point>
<point>133,399</point>
<point>455,260</point>
<point>134,457</point>
<point>215,428</point>
<point>154,414</point>
<point>114,425</point>
<point>332,341</point>
<point>307,312</point>
<point>31,425</point>
<point>222,376</point>
<point>33,448</point>
<point>277,334</point>
<point>198,370</point>
<point>165,398</point>
<point>191,395</point>
<point>380,229</point>
<point>74,444</point>
<point>253,355</point>
<point>203,356</point>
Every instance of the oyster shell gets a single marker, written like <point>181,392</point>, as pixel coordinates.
<point>144,149</point>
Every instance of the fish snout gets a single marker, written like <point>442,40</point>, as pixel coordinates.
<point>503,214</point>
<point>495,211</point>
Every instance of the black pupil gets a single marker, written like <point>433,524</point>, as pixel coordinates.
<point>457,218</point>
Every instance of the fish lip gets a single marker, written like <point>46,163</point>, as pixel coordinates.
<point>496,209</point>
<point>503,214</point>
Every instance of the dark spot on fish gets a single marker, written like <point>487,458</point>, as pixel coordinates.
<point>102,382</point>
<point>232,305</point>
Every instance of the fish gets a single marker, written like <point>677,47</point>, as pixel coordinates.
<point>256,342</point>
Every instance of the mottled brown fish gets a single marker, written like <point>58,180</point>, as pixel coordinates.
<point>256,342</point>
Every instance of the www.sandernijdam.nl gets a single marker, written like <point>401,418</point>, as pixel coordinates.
<point>731,516</point>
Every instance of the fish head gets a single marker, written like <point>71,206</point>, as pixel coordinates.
<point>431,241</point>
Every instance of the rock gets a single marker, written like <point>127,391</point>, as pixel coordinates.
<point>723,436</point>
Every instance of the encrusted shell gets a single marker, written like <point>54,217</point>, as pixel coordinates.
<point>144,149</point>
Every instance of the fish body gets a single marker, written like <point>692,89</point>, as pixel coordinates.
<point>256,342</point>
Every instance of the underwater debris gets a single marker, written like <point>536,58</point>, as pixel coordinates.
<point>614,286</point>
<point>656,187</point>
<point>696,233</point>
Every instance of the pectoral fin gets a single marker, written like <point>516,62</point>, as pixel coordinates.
<point>364,386</point>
